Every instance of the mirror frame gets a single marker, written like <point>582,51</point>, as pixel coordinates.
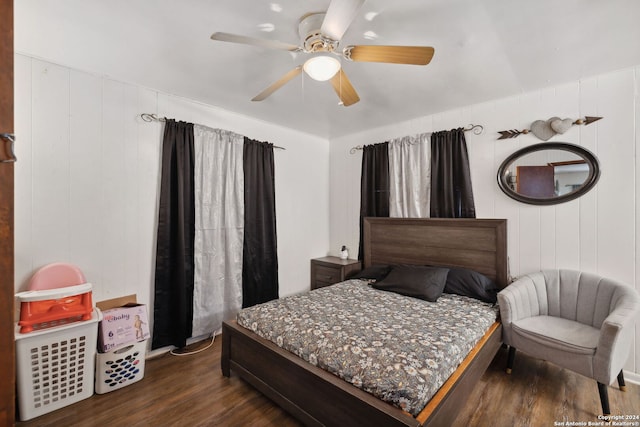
<point>589,183</point>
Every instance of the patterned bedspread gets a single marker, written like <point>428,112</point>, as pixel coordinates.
<point>399,349</point>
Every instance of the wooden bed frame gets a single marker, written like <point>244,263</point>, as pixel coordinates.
<point>317,397</point>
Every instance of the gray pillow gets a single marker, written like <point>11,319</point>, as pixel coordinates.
<point>463,281</point>
<point>374,272</point>
<point>415,281</point>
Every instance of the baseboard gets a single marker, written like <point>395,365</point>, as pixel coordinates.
<point>164,350</point>
<point>158,352</point>
<point>632,377</point>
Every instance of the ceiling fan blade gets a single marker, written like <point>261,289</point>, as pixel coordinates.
<point>278,84</point>
<point>344,89</point>
<point>338,17</point>
<point>414,55</point>
<point>269,44</point>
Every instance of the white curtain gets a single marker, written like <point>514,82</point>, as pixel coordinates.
<point>410,176</point>
<point>219,227</point>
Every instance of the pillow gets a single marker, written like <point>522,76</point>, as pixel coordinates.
<point>462,281</point>
<point>374,272</point>
<point>426,283</point>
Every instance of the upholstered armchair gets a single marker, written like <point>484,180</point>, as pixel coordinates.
<point>579,321</point>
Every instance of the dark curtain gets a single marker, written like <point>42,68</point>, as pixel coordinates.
<point>173,303</point>
<point>374,185</point>
<point>451,192</point>
<point>260,255</point>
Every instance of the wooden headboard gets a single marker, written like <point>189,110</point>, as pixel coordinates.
<point>477,244</point>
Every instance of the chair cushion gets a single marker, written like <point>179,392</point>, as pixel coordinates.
<point>558,333</point>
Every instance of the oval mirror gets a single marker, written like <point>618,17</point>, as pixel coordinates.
<point>548,173</point>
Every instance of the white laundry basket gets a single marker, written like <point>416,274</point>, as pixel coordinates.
<point>55,367</point>
<point>120,368</point>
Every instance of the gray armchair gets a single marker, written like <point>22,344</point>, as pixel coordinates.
<point>579,321</point>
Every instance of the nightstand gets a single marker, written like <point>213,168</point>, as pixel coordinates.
<point>329,270</point>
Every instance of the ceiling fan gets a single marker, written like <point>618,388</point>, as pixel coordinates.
<point>321,34</point>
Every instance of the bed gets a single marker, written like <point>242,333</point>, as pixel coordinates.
<point>317,397</point>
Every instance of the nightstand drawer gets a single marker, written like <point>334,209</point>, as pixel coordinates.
<point>326,275</point>
<point>329,270</point>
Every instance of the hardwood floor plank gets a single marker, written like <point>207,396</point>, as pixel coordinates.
<point>539,393</point>
<point>191,391</point>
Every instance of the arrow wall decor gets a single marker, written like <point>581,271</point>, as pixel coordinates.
<point>545,129</point>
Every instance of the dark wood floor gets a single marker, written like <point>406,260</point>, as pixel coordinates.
<point>191,391</point>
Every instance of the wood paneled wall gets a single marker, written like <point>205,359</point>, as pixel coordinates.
<point>86,189</point>
<point>87,181</point>
<point>598,232</point>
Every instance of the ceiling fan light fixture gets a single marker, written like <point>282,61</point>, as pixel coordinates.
<point>322,67</point>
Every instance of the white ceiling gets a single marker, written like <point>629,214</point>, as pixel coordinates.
<point>484,49</point>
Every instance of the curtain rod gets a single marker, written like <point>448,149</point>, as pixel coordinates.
<point>477,130</point>
<point>147,117</point>
<point>152,118</point>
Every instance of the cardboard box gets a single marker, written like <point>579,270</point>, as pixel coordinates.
<point>124,322</point>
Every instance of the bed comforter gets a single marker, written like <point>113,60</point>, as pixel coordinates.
<point>397,348</point>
